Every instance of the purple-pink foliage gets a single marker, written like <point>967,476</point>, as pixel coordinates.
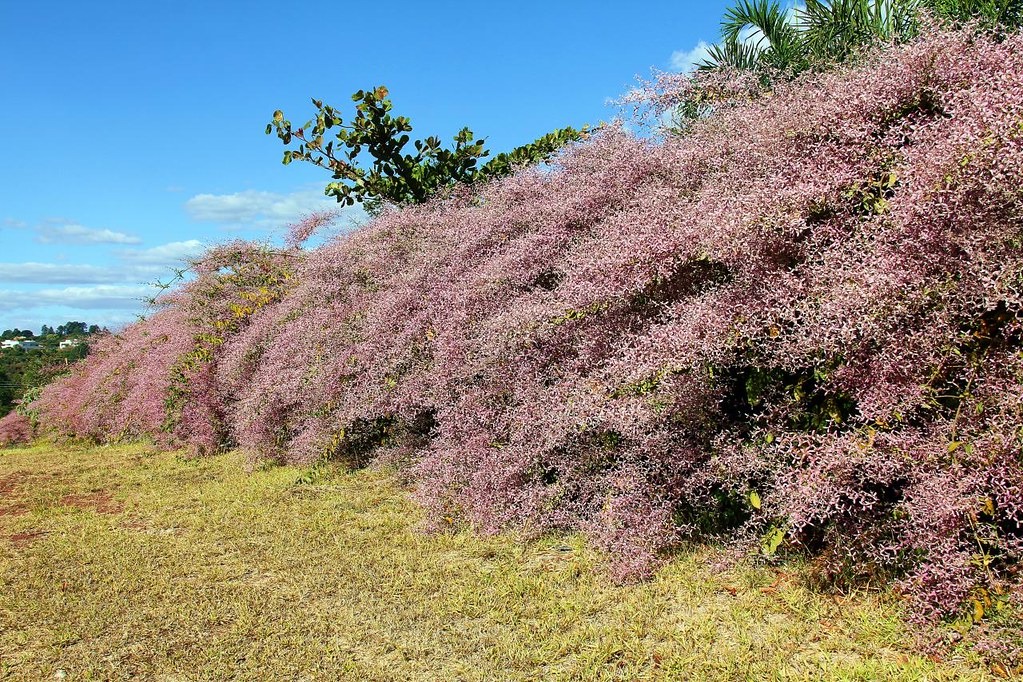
<point>300,231</point>
<point>15,429</point>
<point>121,390</point>
<point>233,282</point>
<point>814,295</point>
<point>156,379</point>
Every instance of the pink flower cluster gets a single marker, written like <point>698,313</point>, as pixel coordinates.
<point>796,327</point>
<point>15,429</point>
<point>120,390</point>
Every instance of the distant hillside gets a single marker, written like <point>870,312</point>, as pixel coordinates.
<point>28,366</point>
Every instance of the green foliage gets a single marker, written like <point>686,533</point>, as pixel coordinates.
<point>725,510</point>
<point>232,285</point>
<point>809,404</point>
<point>72,328</point>
<point>755,34</point>
<point>990,14</point>
<point>9,387</point>
<point>772,540</point>
<point>833,31</point>
<point>23,371</point>
<point>763,36</point>
<point>17,333</point>
<point>871,197</point>
<point>573,314</point>
<point>395,176</point>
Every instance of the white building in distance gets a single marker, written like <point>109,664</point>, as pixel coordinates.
<point>27,344</point>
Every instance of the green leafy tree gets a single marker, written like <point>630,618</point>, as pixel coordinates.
<point>9,390</point>
<point>395,174</point>
<point>70,328</point>
<point>832,32</point>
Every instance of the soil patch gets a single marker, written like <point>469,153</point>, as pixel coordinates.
<point>15,509</point>
<point>9,483</point>
<point>25,538</point>
<point>100,502</point>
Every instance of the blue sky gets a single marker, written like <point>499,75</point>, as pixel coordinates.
<point>133,132</point>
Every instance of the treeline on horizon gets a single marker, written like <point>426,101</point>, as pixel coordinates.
<point>68,329</point>
<point>791,324</point>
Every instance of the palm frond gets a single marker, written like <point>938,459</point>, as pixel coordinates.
<point>735,54</point>
<point>1006,14</point>
<point>833,30</point>
<point>754,34</point>
<point>765,19</point>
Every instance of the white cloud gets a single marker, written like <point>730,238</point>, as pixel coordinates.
<point>132,266</point>
<point>173,253</point>
<point>100,297</point>
<point>687,60</point>
<point>64,273</point>
<point>35,292</point>
<point>254,208</point>
<point>73,233</point>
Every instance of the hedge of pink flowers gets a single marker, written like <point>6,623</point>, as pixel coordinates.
<point>15,429</point>
<point>795,328</point>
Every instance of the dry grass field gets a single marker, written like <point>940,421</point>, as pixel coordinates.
<point>125,563</point>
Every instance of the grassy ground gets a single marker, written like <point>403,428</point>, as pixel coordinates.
<point>120,562</point>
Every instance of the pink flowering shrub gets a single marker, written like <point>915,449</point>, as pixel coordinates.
<point>682,98</point>
<point>233,282</point>
<point>796,328</point>
<point>15,429</point>
<point>300,231</point>
<point>156,378</point>
<point>120,391</point>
